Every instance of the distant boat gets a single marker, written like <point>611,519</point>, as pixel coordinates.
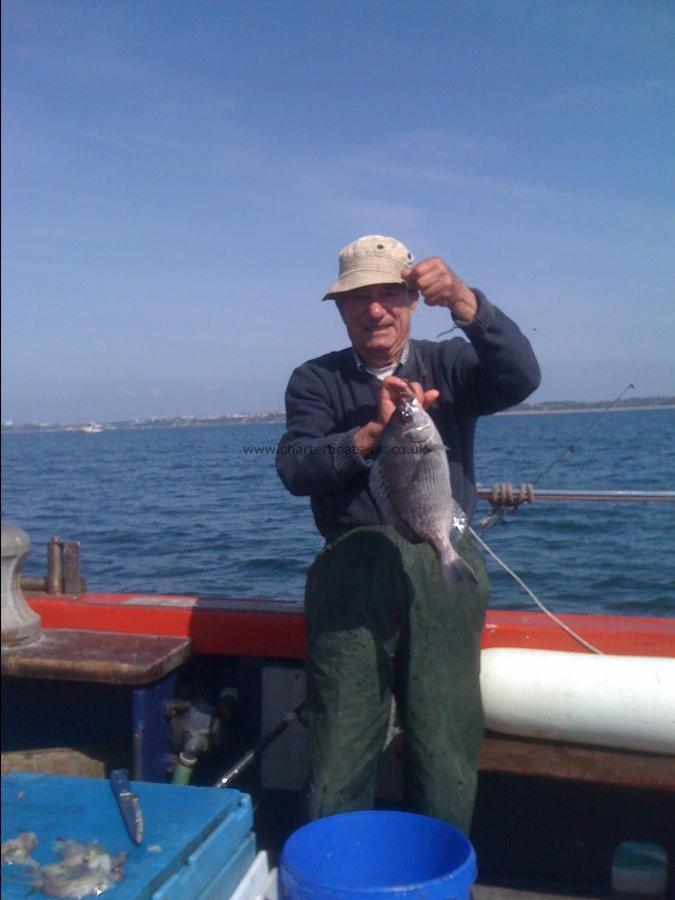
<point>92,428</point>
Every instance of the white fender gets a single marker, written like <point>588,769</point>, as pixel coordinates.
<point>612,701</point>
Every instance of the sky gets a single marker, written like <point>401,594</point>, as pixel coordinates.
<point>178,177</point>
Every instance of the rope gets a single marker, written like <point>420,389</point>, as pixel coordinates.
<point>572,633</point>
<point>502,496</point>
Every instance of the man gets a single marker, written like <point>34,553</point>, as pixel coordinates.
<point>379,620</point>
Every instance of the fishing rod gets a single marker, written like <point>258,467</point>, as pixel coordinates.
<point>499,509</point>
<point>245,761</point>
<point>584,431</point>
<point>504,498</point>
<point>505,495</point>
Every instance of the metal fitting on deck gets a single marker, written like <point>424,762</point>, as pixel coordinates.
<point>63,570</point>
<point>20,625</point>
<point>502,495</point>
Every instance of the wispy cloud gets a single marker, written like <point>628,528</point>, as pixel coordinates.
<point>432,143</point>
<point>513,189</point>
<point>408,216</point>
<point>453,178</point>
<point>637,92</point>
<point>125,138</point>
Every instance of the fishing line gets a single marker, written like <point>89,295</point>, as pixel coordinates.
<point>490,519</point>
<point>582,434</point>
<point>449,331</point>
<point>498,514</point>
<point>572,633</point>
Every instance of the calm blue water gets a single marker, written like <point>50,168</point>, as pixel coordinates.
<point>186,510</point>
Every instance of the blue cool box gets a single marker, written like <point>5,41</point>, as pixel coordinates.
<point>203,834</point>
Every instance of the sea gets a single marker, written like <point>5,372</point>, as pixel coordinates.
<point>200,510</point>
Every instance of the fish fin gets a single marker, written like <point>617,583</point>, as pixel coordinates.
<point>455,571</point>
<point>457,509</point>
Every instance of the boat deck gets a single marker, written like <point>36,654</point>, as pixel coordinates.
<point>116,658</point>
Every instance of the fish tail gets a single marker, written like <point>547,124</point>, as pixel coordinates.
<point>455,571</point>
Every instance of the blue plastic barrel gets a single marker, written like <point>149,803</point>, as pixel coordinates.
<point>377,854</point>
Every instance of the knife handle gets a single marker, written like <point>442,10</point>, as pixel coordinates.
<point>128,802</point>
<point>119,781</point>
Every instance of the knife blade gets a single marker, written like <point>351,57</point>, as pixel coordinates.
<point>129,803</point>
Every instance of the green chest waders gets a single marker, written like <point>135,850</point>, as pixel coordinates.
<point>380,623</point>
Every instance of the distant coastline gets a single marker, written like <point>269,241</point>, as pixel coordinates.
<point>548,409</point>
<point>556,407</point>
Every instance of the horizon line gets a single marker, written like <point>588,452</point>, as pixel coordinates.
<point>545,406</point>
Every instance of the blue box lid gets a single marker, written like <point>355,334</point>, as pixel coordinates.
<point>177,821</point>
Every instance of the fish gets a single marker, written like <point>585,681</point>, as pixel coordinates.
<point>84,870</point>
<point>17,851</point>
<point>410,482</point>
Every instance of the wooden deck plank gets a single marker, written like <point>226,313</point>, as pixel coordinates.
<point>599,765</point>
<point>486,892</point>
<point>101,657</point>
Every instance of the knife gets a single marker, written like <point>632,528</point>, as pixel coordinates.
<point>130,805</point>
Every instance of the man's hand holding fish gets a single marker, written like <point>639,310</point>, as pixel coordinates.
<point>392,391</point>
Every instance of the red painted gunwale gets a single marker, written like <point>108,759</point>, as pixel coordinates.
<point>244,627</point>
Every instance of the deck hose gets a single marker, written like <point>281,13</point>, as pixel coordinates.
<point>183,771</point>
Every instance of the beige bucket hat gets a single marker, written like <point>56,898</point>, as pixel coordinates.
<point>373,259</point>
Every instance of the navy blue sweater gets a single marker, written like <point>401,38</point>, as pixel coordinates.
<point>328,399</point>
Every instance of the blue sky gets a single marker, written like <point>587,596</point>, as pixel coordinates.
<point>178,178</point>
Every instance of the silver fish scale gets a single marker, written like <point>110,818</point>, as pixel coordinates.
<point>412,487</point>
